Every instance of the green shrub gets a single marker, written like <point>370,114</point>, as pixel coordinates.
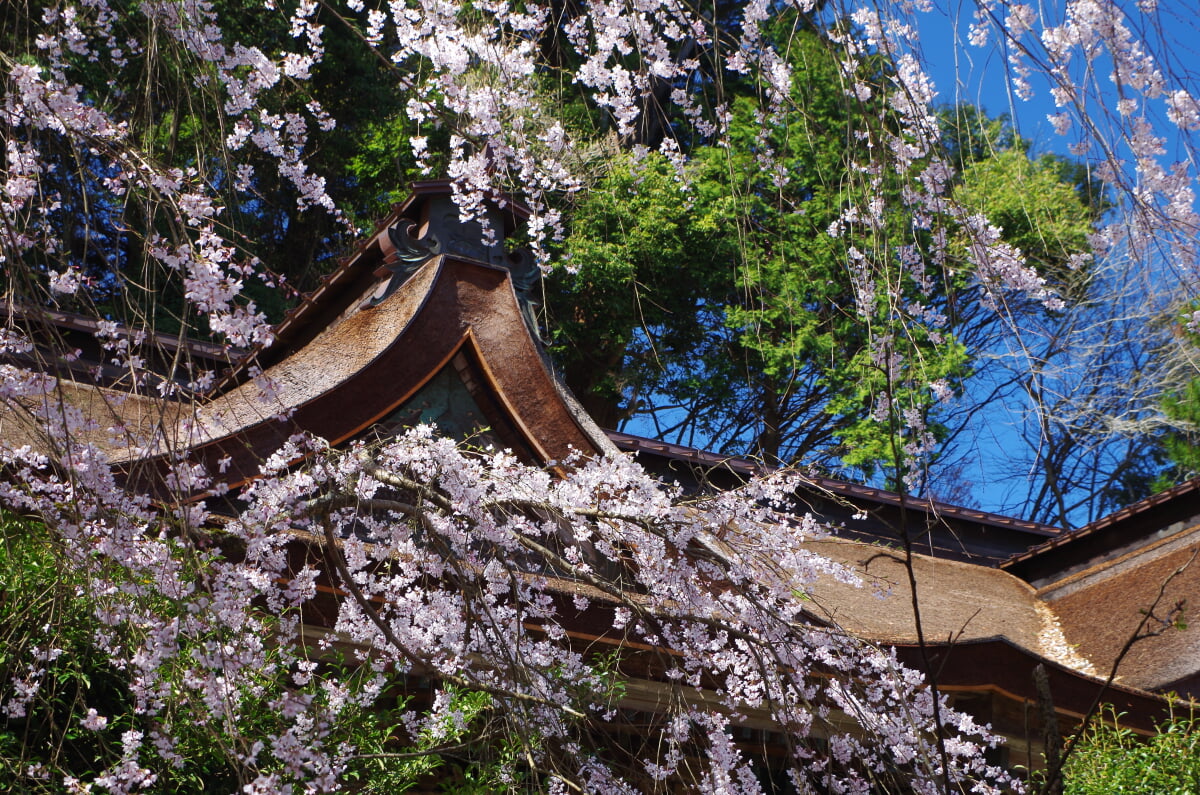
<point>1113,760</point>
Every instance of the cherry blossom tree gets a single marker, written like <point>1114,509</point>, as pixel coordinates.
<point>466,568</point>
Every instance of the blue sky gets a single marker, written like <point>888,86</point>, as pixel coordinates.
<point>979,76</point>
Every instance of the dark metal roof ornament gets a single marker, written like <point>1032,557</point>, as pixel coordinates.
<point>411,251</point>
<point>410,254</point>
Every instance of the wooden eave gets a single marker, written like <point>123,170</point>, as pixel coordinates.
<point>66,346</point>
<point>462,306</point>
<point>998,666</point>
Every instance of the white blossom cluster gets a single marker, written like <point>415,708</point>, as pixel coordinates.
<point>477,570</point>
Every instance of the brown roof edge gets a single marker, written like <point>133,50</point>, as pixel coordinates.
<point>743,466</point>
<point>1159,510</point>
<point>323,300</point>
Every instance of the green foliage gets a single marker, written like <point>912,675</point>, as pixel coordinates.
<point>382,764</point>
<point>647,260</point>
<point>1039,212</point>
<point>726,314</point>
<point>1112,760</point>
<point>49,639</point>
<point>828,319</point>
<point>970,135</point>
<point>39,618</point>
<point>1180,445</point>
<point>725,310</point>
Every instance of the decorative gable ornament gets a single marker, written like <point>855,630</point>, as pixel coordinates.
<point>432,223</point>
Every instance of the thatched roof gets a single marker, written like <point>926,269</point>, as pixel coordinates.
<point>1152,592</point>
<point>959,602</point>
